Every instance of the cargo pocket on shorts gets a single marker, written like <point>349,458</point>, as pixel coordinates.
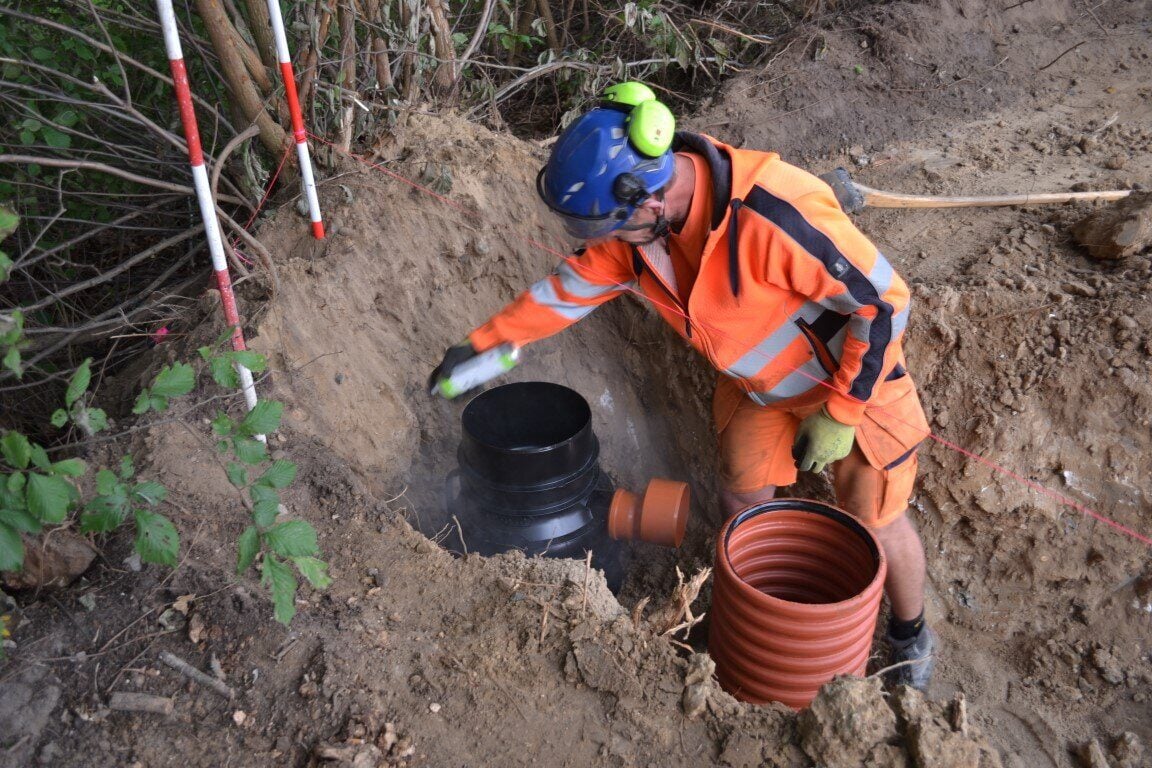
<point>894,424</point>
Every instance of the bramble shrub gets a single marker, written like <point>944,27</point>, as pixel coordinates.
<point>36,492</point>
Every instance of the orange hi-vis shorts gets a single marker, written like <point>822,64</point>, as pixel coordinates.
<point>874,482</point>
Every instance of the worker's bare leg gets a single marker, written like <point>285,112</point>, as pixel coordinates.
<point>734,502</point>
<point>905,552</point>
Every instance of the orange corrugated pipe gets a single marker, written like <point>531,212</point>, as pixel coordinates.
<point>660,517</point>
<point>795,600</point>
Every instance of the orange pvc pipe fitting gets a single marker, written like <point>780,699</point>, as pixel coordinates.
<point>659,518</point>
<point>795,600</point>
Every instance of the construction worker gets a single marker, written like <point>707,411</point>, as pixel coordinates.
<point>754,264</point>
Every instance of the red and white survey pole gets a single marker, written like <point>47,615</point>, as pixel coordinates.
<point>298,132</point>
<point>203,191</point>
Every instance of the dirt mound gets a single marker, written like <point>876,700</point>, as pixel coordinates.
<point>1119,231</point>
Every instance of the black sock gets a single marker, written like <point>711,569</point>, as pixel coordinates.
<point>902,630</point>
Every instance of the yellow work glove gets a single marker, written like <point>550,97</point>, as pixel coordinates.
<point>821,440</point>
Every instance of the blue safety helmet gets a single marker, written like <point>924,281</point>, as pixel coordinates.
<point>596,177</point>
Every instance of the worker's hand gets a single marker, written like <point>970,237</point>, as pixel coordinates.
<point>821,440</point>
<point>453,356</point>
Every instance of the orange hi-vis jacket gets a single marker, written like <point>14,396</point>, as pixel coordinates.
<point>789,295</point>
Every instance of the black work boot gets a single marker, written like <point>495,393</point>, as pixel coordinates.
<point>916,657</point>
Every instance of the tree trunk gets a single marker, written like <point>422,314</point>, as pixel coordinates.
<point>549,25</point>
<point>260,25</point>
<point>346,17</point>
<point>252,61</point>
<point>379,47</point>
<point>249,99</point>
<point>410,22</point>
<point>307,74</point>
<point>442,44</point>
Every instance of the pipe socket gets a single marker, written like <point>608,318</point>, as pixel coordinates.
<point>796,596</point>
<point>660,517</point>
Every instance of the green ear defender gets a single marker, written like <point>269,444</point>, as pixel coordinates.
<point>629,94</point>
<point>650,128</point>
<point>650,123</point>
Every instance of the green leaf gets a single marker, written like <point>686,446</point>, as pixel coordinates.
<point>16,449</point>
<point>223,373</point>
<point>104,520</point>
<point>117,497</point>
<point>247,548</point>
<point>151,492</point>
<point>249,451</point>
<point>12,550</point>
<point>40,457</point>
<point>294,538</point>
<point>66,118</point>
<point>264,512</point>
<point>126,467</point>
<point>59,417</point>
<point>225,335</point>
<point>69,467</point>
<point>56,139</point>
<point>253,361</point>
<point>158,403</point>
<point>12,361</point>
<point>97,419</point>
<point>8,221</point>
<point>279,475</point>
<point>6,265</point>
<point>264,418</point>
<point>222,424</point>
<point>105,482</point>
<point>78,385</point>
<point>156,538</point>
<point>260,493</point>
<point>20,520</point>
<point>278,577</point>
<point>314,570</point>
<point>174,381</point>
<point>237,474</point>
<point>142,402</point>
<point>48,497</point>
<point>16,482</point>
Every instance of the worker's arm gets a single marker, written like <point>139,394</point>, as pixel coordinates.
<point>833,264</point>
<point>577,286</point>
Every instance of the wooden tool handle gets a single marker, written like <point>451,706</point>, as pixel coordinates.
<point>874,198</point>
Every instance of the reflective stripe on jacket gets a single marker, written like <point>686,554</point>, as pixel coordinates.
<point>789,296</point>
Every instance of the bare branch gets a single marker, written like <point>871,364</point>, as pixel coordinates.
<point>477,36</point>
<point>107,275</point>
<point>111,320</point>
<point>115,52</point>
<point>26,261</point>
<point>54,162</point>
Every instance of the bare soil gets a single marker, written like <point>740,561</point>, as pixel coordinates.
<point>1032,356</point>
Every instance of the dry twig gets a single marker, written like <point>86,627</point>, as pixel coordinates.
<point>196,675</point>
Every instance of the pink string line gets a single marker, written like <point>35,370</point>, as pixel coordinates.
<point>1031,484</point>
<point>235,241</point>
